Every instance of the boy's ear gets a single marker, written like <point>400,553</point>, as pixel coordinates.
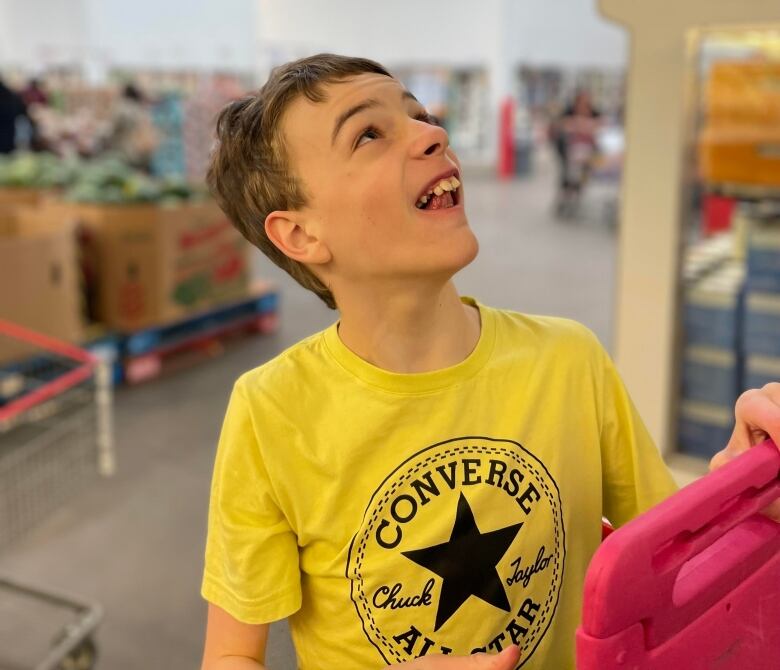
<point>288,232</point>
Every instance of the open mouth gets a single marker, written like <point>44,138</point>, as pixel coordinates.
<point>443,193</point>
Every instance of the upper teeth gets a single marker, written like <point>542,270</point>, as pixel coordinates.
<point>450,184</point>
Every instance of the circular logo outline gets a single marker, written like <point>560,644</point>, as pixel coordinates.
<point>517,452</point>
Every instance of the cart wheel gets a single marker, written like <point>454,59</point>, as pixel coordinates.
<point>82,657</point>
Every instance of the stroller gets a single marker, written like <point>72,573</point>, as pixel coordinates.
<point>577,150</point>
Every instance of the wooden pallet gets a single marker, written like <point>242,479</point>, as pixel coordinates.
<point>138,356</point>
<point>145,354</point>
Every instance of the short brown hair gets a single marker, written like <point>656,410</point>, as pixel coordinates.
<point>249,173</point>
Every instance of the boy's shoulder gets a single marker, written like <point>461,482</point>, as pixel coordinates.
<point>297,366</point>
<point>550,333</point>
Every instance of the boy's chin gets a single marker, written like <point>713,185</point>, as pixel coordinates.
<point>470,249</point>
<point>470,256</point>
<point>461,256</point>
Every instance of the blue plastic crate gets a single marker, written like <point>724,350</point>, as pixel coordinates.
<point>763,258</point>
<point>710,376</point>
<point>703,430</point>
<point>713,306</point>
<point>145,341</point>
<point>762,324</point>
<point>761,370</point>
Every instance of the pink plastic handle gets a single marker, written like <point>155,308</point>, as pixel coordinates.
<point>671,563</point>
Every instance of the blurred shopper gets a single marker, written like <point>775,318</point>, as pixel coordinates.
<point>37,101</point>
<point>34,94</point>
<point>133,134</point>
<point>574,137</point>
<point>12,112</point>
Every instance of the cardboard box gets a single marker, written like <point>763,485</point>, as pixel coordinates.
<point>11,196</point>
<point>39,284</point>
<point>153,264</point>
<point>740,155</point>
<point>744,91</point>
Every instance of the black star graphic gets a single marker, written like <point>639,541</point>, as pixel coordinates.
<point>467,563</point>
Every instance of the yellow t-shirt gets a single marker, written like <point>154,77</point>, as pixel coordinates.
<point>395,515</point>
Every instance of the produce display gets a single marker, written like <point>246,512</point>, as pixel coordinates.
<point>111,181</point>
<point>36,170</point>
<point>107,180</point>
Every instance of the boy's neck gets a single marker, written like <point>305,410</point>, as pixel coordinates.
<point>408,333</point>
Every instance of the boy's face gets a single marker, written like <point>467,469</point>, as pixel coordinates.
<point>365,157</point>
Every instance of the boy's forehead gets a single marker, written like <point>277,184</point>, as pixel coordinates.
<point>305,117</point>
<point>354,89</point>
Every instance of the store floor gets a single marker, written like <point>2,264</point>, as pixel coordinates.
<point>134,543</point>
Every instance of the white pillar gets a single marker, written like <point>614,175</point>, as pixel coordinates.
<point>661,98</point>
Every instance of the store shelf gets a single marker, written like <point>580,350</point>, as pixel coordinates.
<point>744,191</point>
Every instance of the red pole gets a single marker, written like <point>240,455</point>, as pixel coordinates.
<point>506,139</point>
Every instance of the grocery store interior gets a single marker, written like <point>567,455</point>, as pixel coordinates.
<point>620,164</point>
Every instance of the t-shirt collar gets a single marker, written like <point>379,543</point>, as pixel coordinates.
<point>417,382</point>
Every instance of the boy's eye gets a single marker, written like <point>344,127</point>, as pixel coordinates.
<point>368,134</point>
<point>425,117</point>
<point>373,133</point>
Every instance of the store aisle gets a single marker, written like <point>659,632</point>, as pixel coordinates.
<point>134,543</point>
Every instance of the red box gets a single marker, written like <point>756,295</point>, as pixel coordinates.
<point>717,213</point>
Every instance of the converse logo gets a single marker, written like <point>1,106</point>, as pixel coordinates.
<point>461,550</point>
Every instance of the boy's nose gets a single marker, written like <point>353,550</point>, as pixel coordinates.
<point>431,141</point>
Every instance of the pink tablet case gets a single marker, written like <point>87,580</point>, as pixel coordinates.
<point>694,582</point>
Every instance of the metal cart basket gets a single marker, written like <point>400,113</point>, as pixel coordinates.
<point>55,435</point>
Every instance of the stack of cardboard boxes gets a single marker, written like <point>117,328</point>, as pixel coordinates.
<point>151,265</point>
<point>126,267</point>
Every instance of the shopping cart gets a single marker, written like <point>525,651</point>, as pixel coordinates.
<point>693,583</point>
<point>55,435</point>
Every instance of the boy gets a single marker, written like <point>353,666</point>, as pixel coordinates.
<point>425,479</point>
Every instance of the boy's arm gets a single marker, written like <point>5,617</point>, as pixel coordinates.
<point>231,644</point>
<point>251,560</point>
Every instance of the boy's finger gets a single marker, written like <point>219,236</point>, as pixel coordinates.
<point>773,511</point>
<point>758,410</point>
<point>506,660</point>
<point>757,415</point>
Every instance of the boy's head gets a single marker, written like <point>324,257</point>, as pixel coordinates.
<point>324,168</point>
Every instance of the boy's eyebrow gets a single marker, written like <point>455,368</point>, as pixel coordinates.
<point>361,107</point>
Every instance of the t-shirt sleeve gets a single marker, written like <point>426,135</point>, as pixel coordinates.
<point>634,476</point>
<point>251,569</point>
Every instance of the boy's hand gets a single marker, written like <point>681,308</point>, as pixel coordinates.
<point>758,417</point>
<point>506,660</point>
